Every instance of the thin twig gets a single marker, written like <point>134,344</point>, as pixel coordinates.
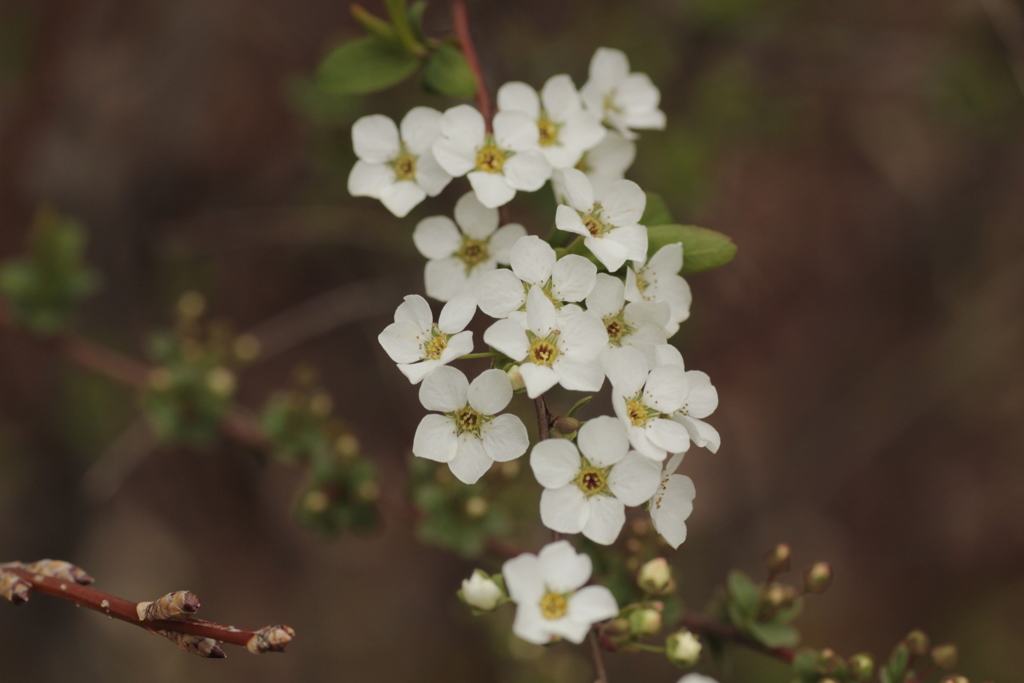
<point>543,417</point>
<point>483,98</point>
<point>598,655</point>
<point>702,625</point>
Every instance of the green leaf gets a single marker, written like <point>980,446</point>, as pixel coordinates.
<point>774,634</point>
<point>805,664</point>
<point>448,73</point>
<point>745,595</point>
<point>363,66</point>
<point>898,661</point>
<point>579,404</point>
<point>656,212</point>
<point>703,249</point>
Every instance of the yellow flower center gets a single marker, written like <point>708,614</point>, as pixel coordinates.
<point>638,413</point>
<point>553,606</point>
<point>593,223</point>
<point>468,420</point>
<point>437,344</point>
<point>592,481</point>
<point>472,252</point>
<point>617,329</point>
<point>405,166</point>
<point>547,130</point>
<point>490,159</point>
<point>543,351</point>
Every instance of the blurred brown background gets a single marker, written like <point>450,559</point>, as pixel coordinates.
<point>867,157</point>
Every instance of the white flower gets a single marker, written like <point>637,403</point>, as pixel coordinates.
<point>568,279</point>
<point>497,164</point>
<point>459,259</point>
<point>469,435</point>
<point>603,165</point>
<point>480,591</point>
<point>683,649</point>
<point>551,601</point>
<point>672,504</point>
<point>638,324</point>
<point>621,99</point>
<point>609,224</point>
<point>589,494</point>
<point>419,345</point>
<point>700,402</point>
<point>659,280</point>
<point>398,170</point>
<point>565,129</point>
<point>644,401</point>
<point>696,678</point>
<point>552,348</point>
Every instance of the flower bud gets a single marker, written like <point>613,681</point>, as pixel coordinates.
<point>683,649</point>
<point>476,507</point>
<point>566,425</point>
<point>817,578</point>
<point>645,622</point>
<point>944,656</point>
<point>917,642</point>
<point>955,679</point>
<point>862,667</point>
<point>830,663</point>
<point>655,577</point>
<point>778,559</point>
<point>221,381</point>
<point>481,592</point>
<point>516,377</point>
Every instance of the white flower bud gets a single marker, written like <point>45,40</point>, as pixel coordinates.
<point>480,591</point>
<point>655,576</point>
<point>683,649</point>
<point>516,377</point>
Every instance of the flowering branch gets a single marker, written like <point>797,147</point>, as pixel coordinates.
<point>461,18</point>
<point>169,616</point>
<point>702,625</point>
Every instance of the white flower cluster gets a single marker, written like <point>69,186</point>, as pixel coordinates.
<point>560,318</point>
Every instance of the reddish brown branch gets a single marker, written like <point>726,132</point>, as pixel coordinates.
<point>597,654</point>
<point>543,418</point>
<point>194,635</point>
<point>702,625</point>
<point>483,98</point>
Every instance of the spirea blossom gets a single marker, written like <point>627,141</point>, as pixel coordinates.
<point>701,400</point>
<point>551,599</point>
<point>623,100</point>
<point>496,164</point>
<point>589,493</point>
<point>502,292</point>
<point>603,165</point>
<point>457,260</point>
<point>659,280</point>
<point>565,129</point>
<point>418,344</point>
<point>551,347</point>
<point>672,503</point>
<point>645,400</point>
<point>609,224</point>
<point>396,165</point>
<point>638,324</point>
<point>468,433</point>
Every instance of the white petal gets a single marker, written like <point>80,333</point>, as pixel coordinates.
<point>633,238</point>
<point>703,434</point>
<point>492,189</point>
<point>415,372</point>
<point>562,568</point>
<point>402,341</point>
<point>572,278</point>
<point>638,439</point>
<point>671,507</point>
<point>464,122</point>
<point>470,461</point>
<point>456,314</point>
<point>560,97</point>
<point>608,67</point>
<point>505,437</point>
<point>666,388</point>
<point>502,241</point>
<point>500,292</point>
<point>538,378</point>
<point>560,156</point>
<point>572,630</point>
<point>367,180</point>
<point>638,92</point>
<point>527,170</point>
<point>518,96</point>
<point>540,313</point>
<point>593,604</point>
<point>436,237</point>
<point>569,219</point>
<point>458,345</point>
<point>375,139</point>
<point>603,441</point>
<point>523,578</point>
<point>402,197</point>
<point>421,127</point>
<point>667,261</point>
<point>530,625</point>
<point>490,392</point>
<point>509,337</point>
<point>515,131</point>
<point>635,479</point>
<point>607,515</point>
<point>532,260</point>
<point>414,308</point>
<point>638,313</point>
<point>673,463</point>
<point>703,397</point>
<point>582,131</point>
<point>578,190</point>
<point>578,375</point>
<point>624,203</point>
<point>649,120</point>
<point>609,252</point>
<point>611,158</point>
<point>444,278</point>
<point>555,463</point>
<point>435,438</point>
<point>475,219</point>
<point>626,369</point>
<point>668,434</point>
<point>666,354</point>
<point>582,336</point>
<point>607,297</point>
<point>429,174</point>
<point>444,390</point>
<point>456,157</point>
<point>564,509</point>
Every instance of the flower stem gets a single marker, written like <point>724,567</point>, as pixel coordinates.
<point>482,354</point>
<point>598,655</point>
<point>461,19</point>
<point>648,648</point>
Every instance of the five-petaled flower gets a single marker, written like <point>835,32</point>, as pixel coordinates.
<point>609,224</point>
<point>551,599</point>
<point>457,260</point>
<point>418,344</point>
<point>467,432</point>
<point>551,347</point>
<point>672,503</point>
<point>589,493</point>
<point>565,129</point>
<point>645,400</point>
<point>701,400</point>
<point>399,170</point>
<point>621,99</point>
<point>639,324</point>
<point>497,164</point>
<point>603,165</point>
<point>659,280</point>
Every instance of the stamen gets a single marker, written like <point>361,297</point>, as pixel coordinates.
<point>489,158</point>
<point>405,166</point>
<point>472,252</point>
<point>547,131</point>
<point>553,606</point>
<point>436,346</point>
<point>637,412</point>
<point>592,481</point>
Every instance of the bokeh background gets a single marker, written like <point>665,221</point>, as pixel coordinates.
<point>867,343</point>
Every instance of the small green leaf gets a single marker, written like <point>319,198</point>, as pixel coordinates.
<point>579,404</point>
<point>656,212</point>
<point>805,664</point>
<point>898,661</point>
<point>745,595</point>
<point>374,25</point>
<point>774,634</point>
<point>448,73</point>
<point>363,66</point>
<point>703,249</point>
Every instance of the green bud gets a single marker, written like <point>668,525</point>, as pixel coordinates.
<point>830,663</point>
<point>683,649</point>
<point>945,656</point>
<point>655,577</point>
<point>862,667</point>
<point>917,642</point>
<point>645,622</point>
<point>778,559</point>
<point>566,425</point>
<point>817,578</point>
